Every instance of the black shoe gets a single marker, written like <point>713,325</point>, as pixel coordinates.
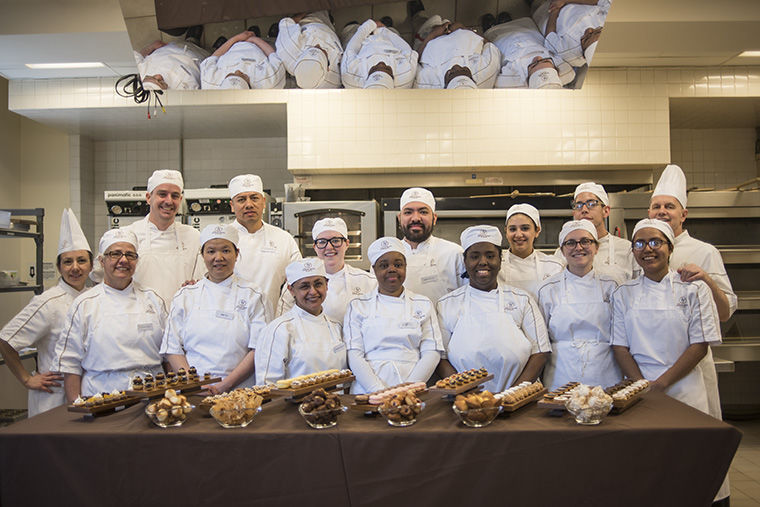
<point>255,29</point>
<point>274,29</point>
<point>487,21</point>
<point>387,21</point>
<point>194,34</point>
<point>218,42</point>
<point>413,7</point>
<point>503,17</point>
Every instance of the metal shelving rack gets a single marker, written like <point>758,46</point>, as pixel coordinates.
<point>19,222</point>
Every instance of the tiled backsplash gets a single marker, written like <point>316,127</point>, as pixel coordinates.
<point>715,158</point>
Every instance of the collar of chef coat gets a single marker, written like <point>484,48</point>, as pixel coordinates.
<point>127,291</point>
<point>423,246</point>
<point>226,283</point>
<point>154,228</point>
<point>68,289</point>
<point>300,312</point>
<point>242,230</point>
<point>586,279</point>
<point>681,238</point>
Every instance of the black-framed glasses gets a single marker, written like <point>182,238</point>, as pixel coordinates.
<point>118,254</point>
<point>590,204</point>
<point>583,242</point>
<point>653,243</point>
<point>335,242</point>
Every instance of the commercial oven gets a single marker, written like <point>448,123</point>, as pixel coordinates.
<point>128,206</point>
<point>208,206</point>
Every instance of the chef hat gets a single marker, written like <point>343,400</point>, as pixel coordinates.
<point>418,194</point>
<point>335,224</point>
<point>380,80</point>
<point>310,68</point>
<point>593,188</point>
<point>116,236</point>
<point>672,182</point>
<point>233,82</point>
<point>245,183</point>
<point>525,209</point>
<point>465,82</point>
<point>382,246</point>
<point>219,231</point>
<point>664,227</point>
<point>574,225</point>
<point>162,176</point>
<point>545,78</point>
<point>71,237</point>
<point>310,266</point>
<point>428,26</point>
<point>589,53</point>
<point>480,234</point>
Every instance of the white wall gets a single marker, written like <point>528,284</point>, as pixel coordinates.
<point>718,158</point>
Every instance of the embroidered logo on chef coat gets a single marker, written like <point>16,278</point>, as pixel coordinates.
<point>682,302</point>
<point>510,306</point>
<point>357,291</point>
<point>241,305</point>
<point>150,309</point>
<point>271,247</point>
<point>418,314</point>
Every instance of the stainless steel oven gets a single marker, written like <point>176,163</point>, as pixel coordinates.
<point>361,218</point>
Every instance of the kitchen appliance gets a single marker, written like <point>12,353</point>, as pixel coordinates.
<point>128,206</point>
<point>361,218</point>
<point>208,206</point>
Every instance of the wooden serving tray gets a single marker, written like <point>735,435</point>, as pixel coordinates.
<point>514,406</point>
<point>295,395</point>
<point>620,406</point>
<point>183,388</point>
<point>105,408</point>
<point>453,391</point>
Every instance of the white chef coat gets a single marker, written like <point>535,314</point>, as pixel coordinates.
<point>528,273</point>
<point>177,62</point>
<point>371,45</point>
<point>391,333</point>
<point>498,330</point>
<point>614,258</point>
<point>39,325</point>
<point>264,255</point>
<point>263,71</point>
<point>111,335</point>
<point>572,21</point>
<point>212,324</point>
<point>299,343</point>
<point>519,42</point>
<point>313,29</point>
<point>342,286</point>
<point>461,47</point>
<point>578,313</point>
<point>434,268</point>
<point>657,321</point>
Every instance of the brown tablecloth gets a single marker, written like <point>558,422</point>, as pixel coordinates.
<point>659,452</point>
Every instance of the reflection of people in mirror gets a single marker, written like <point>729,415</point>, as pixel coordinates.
<point>310,50</point>
<point>172,66</point>
<point>572,28</point>
<point>243,62</point>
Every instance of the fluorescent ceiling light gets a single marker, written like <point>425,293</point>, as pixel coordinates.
<point>72,65</point>
<point>751,54</point>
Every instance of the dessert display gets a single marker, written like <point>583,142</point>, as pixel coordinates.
<point>477,409</point>
<point>627,393</point>
<point>264,392</point>
<point>321,409</point>
<point>589,404</point>
<point>372,401</point>
<point>150,387</point>
<point>556,399</point>
<point>170,411</point>
<point>463,381</point>
<point>236,409</point>
<point>102,402</point>
<point>520,395</point>
<point>401,409</point>
<point>296,387</point>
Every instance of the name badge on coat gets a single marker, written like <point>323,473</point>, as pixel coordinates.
<point>409,324</point>
<point>224,315</point>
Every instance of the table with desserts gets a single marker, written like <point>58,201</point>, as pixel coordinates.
<point>658,452</point>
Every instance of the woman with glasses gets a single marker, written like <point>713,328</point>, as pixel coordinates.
<point>213,325</point>
<point>522,266</point>
<point>576,306</point>
<point>113,331</point>
<point>661,326</point>
<point>345,281</point>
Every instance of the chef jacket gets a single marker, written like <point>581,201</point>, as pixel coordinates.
<point>523,273</point>
<point>212,324</point>
<point>110,335</point>
<point>263,71</point>
<point>39,325</point>
<point>613,257</point>
<point>299,343</point>
<point>434,268</point>
<point>342,286</point>
<point>572,21</point>
<point>371,45</point>
<point>264,255</point>
<point>313,29</point>
<point>461,47</point>
<point>177,62</point>
<point>519,42</point>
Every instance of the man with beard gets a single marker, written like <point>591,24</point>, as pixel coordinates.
<point>434,265</point>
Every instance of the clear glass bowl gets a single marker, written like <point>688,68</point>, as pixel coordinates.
<point>400,416</point>
<point>589,416</point>
<point>171,421</point>
<point>324,418</point>
<point>234,417</point>
<point>477,417</point>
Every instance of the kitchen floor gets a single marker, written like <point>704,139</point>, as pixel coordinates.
<point>745,469</point>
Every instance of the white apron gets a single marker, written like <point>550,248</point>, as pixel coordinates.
<point>422,276</point>
<point>492,340</point>
<point>658,329</point>
<point>311,355</point>
<point>530,285</point>
<point>581,350</point>
<point>40,401</point>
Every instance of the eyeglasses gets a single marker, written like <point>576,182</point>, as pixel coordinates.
<point>335,242</point>
<point>653,243</point>
<point>590,204</point>
<point>584,242</point>
<point>118,254</point>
